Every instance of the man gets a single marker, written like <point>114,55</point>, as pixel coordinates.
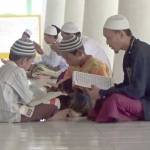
<point>129,100</point>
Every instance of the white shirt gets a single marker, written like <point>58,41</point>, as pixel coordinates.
<point>54,60</point>
<point>14,90</point>
<point>94,48</point>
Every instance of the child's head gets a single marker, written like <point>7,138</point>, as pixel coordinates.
<point>51,34</point>
<point>72,50</point>
<point>22,53</point>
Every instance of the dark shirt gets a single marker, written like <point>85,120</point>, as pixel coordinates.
<point>136,84</point>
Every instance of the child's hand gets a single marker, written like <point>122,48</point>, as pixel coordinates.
<point>4,61</point>
<point>38,48</point>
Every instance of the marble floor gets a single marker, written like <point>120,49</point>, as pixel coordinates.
<point>75,135</point>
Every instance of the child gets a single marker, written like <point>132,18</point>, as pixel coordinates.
<point>14,88</point>
<point>73,51</point>
<point>53,60</point>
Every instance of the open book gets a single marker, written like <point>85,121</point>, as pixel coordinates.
<point>43,70</point>
<point>87,80</point>
<point>42,82</point>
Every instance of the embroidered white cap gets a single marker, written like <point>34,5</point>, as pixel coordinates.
<point>50,30</point>
<point>70,27</point>
<point>117,22</point>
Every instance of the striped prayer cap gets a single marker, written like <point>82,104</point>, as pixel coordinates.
<point>23,47</point>
<point>71,44</point>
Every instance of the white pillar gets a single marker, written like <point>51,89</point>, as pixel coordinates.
<point>75,12</point>
<point>55,12</point>
<point>96,12</point>
<point>137,12</point>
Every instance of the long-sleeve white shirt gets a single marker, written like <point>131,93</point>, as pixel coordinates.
<point>54,60</point>
<point>14,90</point>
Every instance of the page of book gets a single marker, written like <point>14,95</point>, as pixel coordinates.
<point>43,70</point>
<point>42,82</point>
<point>87,80</point>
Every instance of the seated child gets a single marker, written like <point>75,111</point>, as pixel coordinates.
<point>14,88</point>
<point>72,50</point>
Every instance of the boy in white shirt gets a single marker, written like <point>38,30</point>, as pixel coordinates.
<point>14,88</point>
<point>53,59</point>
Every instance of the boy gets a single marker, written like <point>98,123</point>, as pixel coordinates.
<point>72,50</point>
<point>14,88</point>
<point>53,60</point>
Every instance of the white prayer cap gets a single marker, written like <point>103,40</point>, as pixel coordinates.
<point>28,32</point>
<point>117,22</point>
<point>70,27</point>
<point>51,30</point>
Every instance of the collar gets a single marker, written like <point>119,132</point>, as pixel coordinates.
<point>131,44</point>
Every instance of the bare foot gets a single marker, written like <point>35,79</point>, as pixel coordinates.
<point>65,114</point>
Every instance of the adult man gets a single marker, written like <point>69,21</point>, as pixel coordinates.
<point>129,100</point>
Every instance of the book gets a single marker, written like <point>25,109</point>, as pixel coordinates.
<point>41,69</point>
<point>87,80</point>
<point>42,82</point>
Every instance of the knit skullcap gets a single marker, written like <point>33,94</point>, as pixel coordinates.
<point>117,22</point>
<point>71,44</point>
<point>23,47</point>
<point>50,30</point>
<point>70,27</point>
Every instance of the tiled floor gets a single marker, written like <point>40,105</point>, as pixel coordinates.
<point>75,135</point>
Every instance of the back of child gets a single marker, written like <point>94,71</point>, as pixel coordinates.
<point>14,88</point>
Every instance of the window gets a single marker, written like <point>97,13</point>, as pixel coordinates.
<point>15,17</point>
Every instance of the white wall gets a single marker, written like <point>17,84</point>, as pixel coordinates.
<point>138,13</point>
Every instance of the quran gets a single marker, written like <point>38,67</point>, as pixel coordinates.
<point>87,80</point>
<point>41,69</point>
